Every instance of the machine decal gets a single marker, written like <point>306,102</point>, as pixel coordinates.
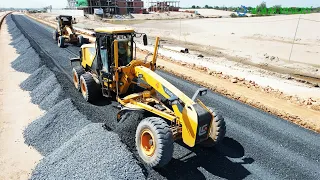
<point>170,94</point>
<point>204,120</point>
<point>203,130</point>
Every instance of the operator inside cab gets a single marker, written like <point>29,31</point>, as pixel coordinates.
<point>124,52</point>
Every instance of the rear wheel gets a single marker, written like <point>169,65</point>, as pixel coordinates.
<point>80,40</point>
<point>154,141</point>
<point>61,41</point>
<point>76,73</point>
<point>88,87</point>
<point>217,130</point>
<point>55,35</point>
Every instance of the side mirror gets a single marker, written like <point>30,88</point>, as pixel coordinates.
<point>145,40</point>
<point>200,92</point>
<point>56,18</point>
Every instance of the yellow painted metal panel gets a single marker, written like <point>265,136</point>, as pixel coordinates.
<point>88,55</point>
<point>189,126</point>
<point>157,82</point>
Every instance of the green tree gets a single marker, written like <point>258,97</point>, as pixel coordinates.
<point>206,6</point>
<point>262,8</point>
<point>193,7</point>
<point>277,9</point>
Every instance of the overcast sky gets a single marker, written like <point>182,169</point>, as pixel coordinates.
<point>183,3</point>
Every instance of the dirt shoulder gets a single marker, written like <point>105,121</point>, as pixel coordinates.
<point>305,113</point>
<point>248,94</point>
<point>16,159</point>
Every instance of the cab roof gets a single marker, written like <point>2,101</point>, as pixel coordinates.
<point>114,30</point>
<point>66,16</point>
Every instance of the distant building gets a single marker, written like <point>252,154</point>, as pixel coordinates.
<point>163,6</point>
<point>111,6</point>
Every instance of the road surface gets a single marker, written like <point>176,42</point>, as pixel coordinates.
<point>258,145</point>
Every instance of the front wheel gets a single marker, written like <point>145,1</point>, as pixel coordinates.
<point>217,130</point>
<point>88,87</point>
<point>61,41</point>
<point>55,35</point>
<point>80,40</point>
<point>154,141</point>
<point>76,74</point>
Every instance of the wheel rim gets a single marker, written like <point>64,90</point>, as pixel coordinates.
<point>83,89</point>
<point>75,80</point>
<point>147,142</point>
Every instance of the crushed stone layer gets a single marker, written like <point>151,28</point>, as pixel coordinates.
<point>92,153</point>
<point>56,127</point>
<point>245,153</point>
<point>63,128</point>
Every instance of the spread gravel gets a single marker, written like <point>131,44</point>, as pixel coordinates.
<point>20,43</point>
<point>28,60</point>
<point>70,135</point>
<point>269,147</point>
<point>36,78</point>
<point>127,128</point>
<point>92,153</point>
<point>53,98</point>
<point>48,93</point>
<point>56,127</point>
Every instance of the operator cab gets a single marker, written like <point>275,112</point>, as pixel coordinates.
<point>104,43</point>
<point>64,20</point>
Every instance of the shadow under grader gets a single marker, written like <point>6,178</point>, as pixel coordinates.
<point>213,160</point>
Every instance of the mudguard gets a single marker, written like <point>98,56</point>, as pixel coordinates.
<point>74,61</point>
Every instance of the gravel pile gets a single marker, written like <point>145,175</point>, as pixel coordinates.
<point>93,153</point>
<point>53,98</point>
<point>29,60</point>
<point>56,127</point>
<point>36,78</point>
<point>48,93</point>
<point>99,114</point>
<point>126,128</point>
<point>20,43</point>
<point>70,134</point>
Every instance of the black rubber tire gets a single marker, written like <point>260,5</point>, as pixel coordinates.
<point>163,140</point>
<point>80,40</point>
<point>55,35</point>
<point>217,130</point>
<point>76,74</point>
<point>89,88</point>
<point>60,41</point>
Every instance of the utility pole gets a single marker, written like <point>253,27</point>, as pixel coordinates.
<point>294,38</point>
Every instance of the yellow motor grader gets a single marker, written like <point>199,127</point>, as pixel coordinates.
<point>109,67</point>
<point>65,33</point>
